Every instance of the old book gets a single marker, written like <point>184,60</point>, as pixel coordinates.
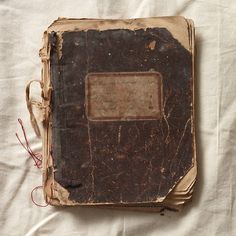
<point>118,97</point>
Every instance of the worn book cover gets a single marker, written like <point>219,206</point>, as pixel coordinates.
<point>118,99</point>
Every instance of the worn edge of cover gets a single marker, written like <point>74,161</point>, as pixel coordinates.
<point>183,30</point>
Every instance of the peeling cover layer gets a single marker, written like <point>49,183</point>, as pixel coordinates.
<point>119,126</point>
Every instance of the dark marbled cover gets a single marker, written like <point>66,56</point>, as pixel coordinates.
<point>152,155</point>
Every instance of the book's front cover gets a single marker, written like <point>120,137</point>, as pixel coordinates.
<point>121,114</point>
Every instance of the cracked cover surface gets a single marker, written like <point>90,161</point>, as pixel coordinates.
<point>120,161</point>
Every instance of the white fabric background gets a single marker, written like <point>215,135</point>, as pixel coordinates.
<point>212,211</point>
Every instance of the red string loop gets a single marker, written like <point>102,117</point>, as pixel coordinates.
<point>32,197</point>
<point>37,157</point>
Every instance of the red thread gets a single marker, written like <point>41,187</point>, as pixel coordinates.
<point>37,157</point>
<point>32,197</point>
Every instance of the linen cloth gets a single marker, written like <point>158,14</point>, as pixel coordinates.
<point>212,211</point>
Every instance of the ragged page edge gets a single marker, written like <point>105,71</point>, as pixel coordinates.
<point>176,25</point>
<point>186,184</point>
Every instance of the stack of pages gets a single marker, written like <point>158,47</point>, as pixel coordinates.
<point>118,108</point>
